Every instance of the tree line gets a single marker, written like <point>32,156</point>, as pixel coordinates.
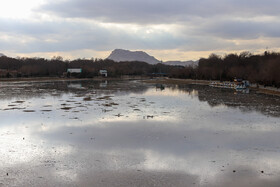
<point>55,67</point>
<point>262,69</point>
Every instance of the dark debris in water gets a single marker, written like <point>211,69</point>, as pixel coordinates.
<point>108,97</point>
<point>45,106</point>
<point>149,116</point>
<point>12,105</point>
<point>14,108</point>
<point>66,108</point>
<point>64,104</point>
<point>19,102</point>
<point>110,104</point>
<point>28,110</point>
<point>87,99</point>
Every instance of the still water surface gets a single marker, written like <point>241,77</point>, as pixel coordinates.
<point>128,133</point>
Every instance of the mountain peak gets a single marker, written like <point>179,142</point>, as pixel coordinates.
<point>119,55</point>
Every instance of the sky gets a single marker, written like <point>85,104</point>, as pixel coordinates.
<point>168,30</point>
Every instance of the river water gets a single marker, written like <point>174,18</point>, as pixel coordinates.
<point>129,133</point>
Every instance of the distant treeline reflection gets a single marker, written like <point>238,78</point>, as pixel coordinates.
<point>245,102</point>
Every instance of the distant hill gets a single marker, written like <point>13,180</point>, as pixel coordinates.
<point>1,54</point>
<point>119,55</point>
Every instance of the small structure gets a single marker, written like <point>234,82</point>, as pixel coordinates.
<point>103,73</point>
<point>73,71</point>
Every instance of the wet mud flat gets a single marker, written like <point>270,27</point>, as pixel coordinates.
<point>130,133</point>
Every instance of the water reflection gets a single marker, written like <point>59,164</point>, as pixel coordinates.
<point>130,134</point>
<point>25,90</point>
<point>268,105</point>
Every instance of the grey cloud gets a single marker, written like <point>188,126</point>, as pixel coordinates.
<point>209,24</point>
<point>73,35</point>
<point>240,29</point>
<point>206,43</point>
<point>67,36</point>
<point>29,28</point>
<point>159,11</point>
<point>221,34</point>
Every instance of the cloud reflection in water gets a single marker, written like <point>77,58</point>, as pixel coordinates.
<point>180,136</point>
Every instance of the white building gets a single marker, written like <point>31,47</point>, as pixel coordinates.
<point>103,72</point>
<point>74,70</point>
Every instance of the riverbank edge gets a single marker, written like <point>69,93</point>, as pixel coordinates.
<point>46,79</point>
<point>260,90</point>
